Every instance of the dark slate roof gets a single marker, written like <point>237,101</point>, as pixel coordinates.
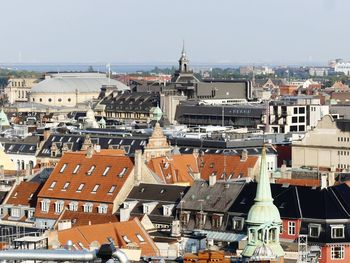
<point>157,192</point>
<point>300,201</point>
<point>2,196</point>
<point>20,148</point>
<point>216,198</point>
<point>75,142</point>
<point>343,124</point>
<point>140,102</point>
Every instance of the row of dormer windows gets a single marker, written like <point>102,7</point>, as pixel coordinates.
<point>72,206</point>
<point>81,187</point>
<point>92,169</point>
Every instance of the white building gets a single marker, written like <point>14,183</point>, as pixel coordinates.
<point>343,67</point>
<point>70,89</point>
<point>17,90</point>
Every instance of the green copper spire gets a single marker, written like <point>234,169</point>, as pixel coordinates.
<point>264,221</point>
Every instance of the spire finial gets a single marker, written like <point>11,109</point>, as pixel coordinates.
<point>183,48</point>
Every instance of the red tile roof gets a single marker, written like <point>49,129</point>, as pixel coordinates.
<point>24,194</point>
<point>301,182</point>
<point>95,166</point>
<point>216,163</point>
<point>124,234</point>
<point>84,219</point>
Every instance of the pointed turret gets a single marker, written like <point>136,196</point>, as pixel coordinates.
<point>264,221</point>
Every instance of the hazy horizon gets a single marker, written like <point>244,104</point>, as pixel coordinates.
<point>273,32</point>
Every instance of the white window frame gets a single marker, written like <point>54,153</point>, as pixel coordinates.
<point>45,205</point>
<point>73,206</point>
<point>107,169</point>
<point>15,212</point>
<point>312,226</point>
<point>291,228</point>
<point>123,172</point>
<point>334,229</point>
<point>341,252</point>
<point>112,189</point>
<point>102,209</point>
<point>52,185</point>
<point>87,207</point>
<point>95,189</point>
<point>59,205</point>
<point>65,186</point>
<point>91,170</point>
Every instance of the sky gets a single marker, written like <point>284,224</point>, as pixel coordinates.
<point>152,31</point>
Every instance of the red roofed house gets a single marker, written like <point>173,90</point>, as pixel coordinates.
<point>91,182</point>
<point>129,236</point>
<point>19,205</point>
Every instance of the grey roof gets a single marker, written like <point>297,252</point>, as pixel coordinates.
<point>83,82</point>
<point>217,198</point>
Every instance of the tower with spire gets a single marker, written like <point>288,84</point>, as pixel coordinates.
<point>183,61</point>
<point>264,222</point>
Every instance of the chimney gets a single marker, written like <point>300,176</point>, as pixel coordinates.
<point>47,133</point>
<point>212,179</point>
<point>324,181</point>
<point>176,228</point>
<point>28,170</point>
<point>197,176</point>
<point>90,152</point>
<point>2,171</point>
<point>244,155</point>
<point>97,148</point>
<point>138,167</point>
<point>331,178</point>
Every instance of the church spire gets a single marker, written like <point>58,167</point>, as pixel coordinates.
<point>183,53</point>
<point>263,191</point>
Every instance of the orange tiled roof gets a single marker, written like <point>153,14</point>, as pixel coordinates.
<point>24,194</point>
<point>177,169</point>
<point>301,182</point>
<point>84,219</point>
<point>123,234</point>
<point>60,177</point>
<point>215,163</point>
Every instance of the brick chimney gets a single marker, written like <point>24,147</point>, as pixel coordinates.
<point>244,155</point>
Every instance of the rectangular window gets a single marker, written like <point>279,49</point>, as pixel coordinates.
<point>291,228</point>
<point>87,208</point>
<point>63,168</point>
<point>314,230</point>
<point>140,238</point>
<point>238,223</point>
<point>102,209</point>
<point>65,187</point>
<point>301,119</point>
<point>295,110</point>
<point>105,172</point>
<point>94,190</point>
<point>293,128</point>
<point>91,170</point>
<point>80,188</point>
<point>59,207</point>
<point>15,212</point>
<point>337,231</point>
<point>45,206</point>
<point>337,252</point>
<point>76,169</point>
<point>294,119</point>
<point>301,110</point>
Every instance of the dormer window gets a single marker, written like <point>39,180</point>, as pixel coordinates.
<point>91,170</point>
<point>53,184</point>
<point>126,239</point>
<point>73,206</point>
<point>64,166</point>
<point>140,238</point>
<point>168,210</point>
<point>59,207</point>
<point>200,219</point>
<point>94,190</point>
<point>184,218</point>
<point>15,195</point>
<point>314,230</point>
<point>337,231</point>
<point>102,209</point>
<point>76,169</point>
<point>87,207</point>
<point>216,221</point>
<point>105,172</point>
<point>238,223</point>
<point>123,172</point>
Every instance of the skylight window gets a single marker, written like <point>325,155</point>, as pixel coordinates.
<point>65,187</point>
<point>76,169</point>
<point>53,184</point>
<point>126,239</point>
<point>140,238</point>
<point>123,172</point>
<point>64,166</point>
<point>80,188</point>
<point>94,190</point>
<point>105,172</point>
<point>91,170</point>
<point>112,189</point>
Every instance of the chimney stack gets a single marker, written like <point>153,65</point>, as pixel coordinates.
<point>212,179</point>
<point>138,167</point>
<point>90,152</point>
<point>324,183</point>
<point>176,228</point>
<point>244,155</point>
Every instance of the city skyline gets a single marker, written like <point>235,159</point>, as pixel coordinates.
<point>234,32</point>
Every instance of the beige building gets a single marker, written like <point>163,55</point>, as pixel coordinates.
<point>70,89</point>
<point>18,89</point>
<point>325,146</point>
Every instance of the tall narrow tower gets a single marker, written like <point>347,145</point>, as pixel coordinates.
<point>183,61</point>
<point>264,222</point>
